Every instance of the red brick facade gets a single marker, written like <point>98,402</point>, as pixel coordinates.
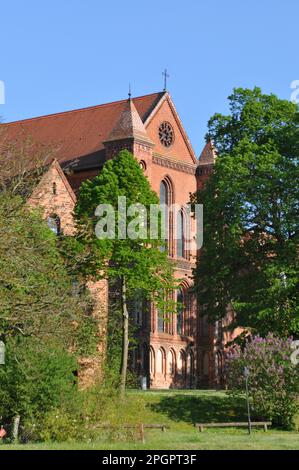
<point>55,197</point>
<point>182,351</point>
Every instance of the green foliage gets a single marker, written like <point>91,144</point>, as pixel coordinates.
<point>249,255</point>
<point>258,118</point>
<point>132,263</point>
<point>142,262</point>
<point>45,311</point>
<point>59,425</point>
<point>35,378</point>
<point>37,296</point>
<point>83,418</point>
<point>80,428</point>
<point>85,336</point>
<point>273,379</point>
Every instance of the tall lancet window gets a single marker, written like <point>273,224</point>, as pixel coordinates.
<point>181,237</point>
<point>163,193</point>
<point>160,321</point>
<point>166,199</point>
<point>164,204</point>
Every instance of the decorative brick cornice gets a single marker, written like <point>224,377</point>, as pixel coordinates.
<point>174,164</point>
<point>205,169</point>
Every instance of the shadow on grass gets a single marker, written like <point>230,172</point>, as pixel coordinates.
<point>204,409</point>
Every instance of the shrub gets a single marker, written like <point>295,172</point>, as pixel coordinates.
<point>40,294</point>
<point>36,378</point>
<point>38,383</point>
<point>59,425</point>
<point>273,379</point>
<point>96,413</point>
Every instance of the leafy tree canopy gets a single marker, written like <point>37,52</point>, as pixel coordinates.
<point>249,255</point>
<point>133,262</point>
<point>37,295</point>
<point>141,259</point>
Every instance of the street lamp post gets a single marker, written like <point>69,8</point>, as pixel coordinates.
<point>246,375</point>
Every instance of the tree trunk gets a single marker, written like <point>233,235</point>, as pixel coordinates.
<point>15,429</point>
<point>125,345</point>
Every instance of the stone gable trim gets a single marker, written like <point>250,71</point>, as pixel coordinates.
<point>177,165</point>
<point>68,187</point>
<point>166,97</point>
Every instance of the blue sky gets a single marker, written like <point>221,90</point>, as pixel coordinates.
<point>68,54</point>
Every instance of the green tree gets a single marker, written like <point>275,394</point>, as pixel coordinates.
<point>45,314</point>
<point>249,255</point>
<point>133,262</point>
<point>36,377</point>
<point>37,294</point>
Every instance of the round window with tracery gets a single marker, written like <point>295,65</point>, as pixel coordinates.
<point>166,134</point>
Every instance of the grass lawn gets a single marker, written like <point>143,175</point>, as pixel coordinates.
<point>179,410</point>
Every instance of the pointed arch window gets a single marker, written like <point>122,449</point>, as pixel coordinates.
<point>166,200</point>
<point>160,362</point>
<point>164,196</point>
<point>184,316</point>
<point>182,364</point>
<point>161,325</point>
<point>163,193</point>
<point>181,235</point>
<point>171,363</point>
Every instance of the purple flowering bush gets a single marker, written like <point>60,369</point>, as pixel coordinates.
<point>273,380</point>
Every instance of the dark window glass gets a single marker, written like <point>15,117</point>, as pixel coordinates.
<point>164,201</point>
<point>160,321</point>
<point>180,235</point>
<point>163,193</point>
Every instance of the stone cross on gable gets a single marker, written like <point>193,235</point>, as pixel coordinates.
<point>165,78</point>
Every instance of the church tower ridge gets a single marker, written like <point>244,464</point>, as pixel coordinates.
<point>208,155</point>
<point>129,125</point>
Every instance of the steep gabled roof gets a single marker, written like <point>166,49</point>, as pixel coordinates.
<point>55,164</point>
<point>78,133</point>
<point>129,125</point>
<point>165,96</point>
<point>208,155</point>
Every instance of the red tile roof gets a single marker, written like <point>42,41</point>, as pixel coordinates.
<point>129,124</point>
<point>81,132</point>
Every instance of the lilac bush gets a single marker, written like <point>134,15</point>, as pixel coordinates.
<point>273,379</point>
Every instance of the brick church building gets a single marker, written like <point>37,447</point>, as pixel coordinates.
<point>185,351</point>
